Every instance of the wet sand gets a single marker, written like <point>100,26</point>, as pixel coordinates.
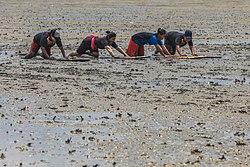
<point>106,112</point>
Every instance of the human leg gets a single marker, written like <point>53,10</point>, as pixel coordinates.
<point>48,50</point>
<point>141,50</point>
<point>170,47</point>
<point>133,48</point>
<point>33,50</point>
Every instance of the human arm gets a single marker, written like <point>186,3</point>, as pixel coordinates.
<point>165,50</point>
<point>159,49</point>
<point>119,49</point>
<point>192,50</point>
<point>191,47</point>
<point>63,52</point>
<point>178,48</point>
<point>108,48</point>
<point>60,46</point>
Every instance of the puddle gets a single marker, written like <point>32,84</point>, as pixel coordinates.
<point>158,83</point>
<point>222,81</point>
<point>222,42</point>
<point>86,122</point>
<point>213,81</point>
<point>86,116</point>
<point>4,54</point>
<point>38,143</point>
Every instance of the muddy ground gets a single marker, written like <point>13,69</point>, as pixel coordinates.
<point>152,112</point>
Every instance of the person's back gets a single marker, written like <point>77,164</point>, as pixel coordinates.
<point>142,38</point>
<point>45,40</point>
<point>92,43</point>
<point>137,42</point>
<point>102,42</point>
<point>40,35</point>
<point>174,40</point>
<point>172,36</point>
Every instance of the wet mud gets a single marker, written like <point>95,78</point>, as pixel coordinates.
<point>106,112</point>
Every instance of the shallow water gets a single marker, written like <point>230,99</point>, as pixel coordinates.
<point>223,81</point>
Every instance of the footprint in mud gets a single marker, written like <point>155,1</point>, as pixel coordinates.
<point>68,141</point>
<point>240,143</point>
<point>223,158</point>
<point>241,111</point>
<point>91,138</point>
<point>240,134</point>
<point>196,151</point>
<point>2,156</point>
<point>71,152</point>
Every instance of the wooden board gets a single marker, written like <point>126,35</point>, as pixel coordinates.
<point>75,60</point>
<point>60,59</point>
<point>191,57</point>
<point>134,58</point>
<point>198,57</point>
<point>120,58</point>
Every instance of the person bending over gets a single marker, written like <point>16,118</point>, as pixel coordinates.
<point>91,45</point>
<point>175,40</point>
<point>137,42</point>
<point>45,41</point>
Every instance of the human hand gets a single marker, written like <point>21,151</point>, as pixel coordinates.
<point>127,57</point>
<point>168,56</point>
<point>52,58</point>
<point>116,57</point>
<point>183,55</point>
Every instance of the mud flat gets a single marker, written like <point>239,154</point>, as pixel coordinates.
<point>152,112</point>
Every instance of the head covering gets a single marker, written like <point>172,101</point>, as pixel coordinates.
<point>188,34</point>
<point>57,35</point>
<point>54,33</point>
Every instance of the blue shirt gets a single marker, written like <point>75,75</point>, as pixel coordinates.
<point>143,38</point>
